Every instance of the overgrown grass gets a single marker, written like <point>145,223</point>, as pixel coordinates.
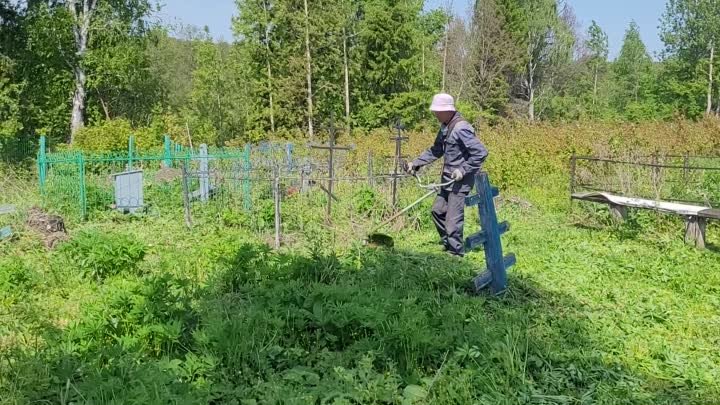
<point>611,316</point>
<point>596,313</point>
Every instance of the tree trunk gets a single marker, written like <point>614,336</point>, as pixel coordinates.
<point>595,85</point>
<point>445,52</point>
<point>269,69</point>
<point>347,82</point>
<point>531,92</point>
<point>82,16</point>
<point>447,40</point>
<point>531,105</point>
<point>708,111</point>
<point>461,88</point>
<point>308,61</point>
<point>531,79</point>
<point>77,120</point>
<point>422,68</point>
<point>270,94</point>
<point>104,107</point>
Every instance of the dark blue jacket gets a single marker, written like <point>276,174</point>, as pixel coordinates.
<point>461,149</point>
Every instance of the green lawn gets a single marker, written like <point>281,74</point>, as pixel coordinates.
<point>595,314</point>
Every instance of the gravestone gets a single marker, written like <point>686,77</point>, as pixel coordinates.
<point>129,191</point>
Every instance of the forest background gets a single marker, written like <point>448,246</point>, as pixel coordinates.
<point>88,73</point>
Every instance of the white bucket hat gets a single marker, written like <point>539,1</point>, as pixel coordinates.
<point>442,102</point>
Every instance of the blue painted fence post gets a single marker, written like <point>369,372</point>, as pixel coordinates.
<point>42,163</point>
<point>495,275</point>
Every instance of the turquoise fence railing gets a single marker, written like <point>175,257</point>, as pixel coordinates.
<point>42,163</point>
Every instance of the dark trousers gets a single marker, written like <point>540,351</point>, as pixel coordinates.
<point>448,213</point>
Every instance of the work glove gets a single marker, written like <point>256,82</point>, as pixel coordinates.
<point>409,168</point>
<point>457,175</point>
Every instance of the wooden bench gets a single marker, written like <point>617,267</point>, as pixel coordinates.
<point>696,216</point>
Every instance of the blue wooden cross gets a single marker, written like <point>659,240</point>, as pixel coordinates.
<point>489,237</point>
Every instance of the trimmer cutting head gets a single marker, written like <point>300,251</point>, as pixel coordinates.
<point>380,240</point>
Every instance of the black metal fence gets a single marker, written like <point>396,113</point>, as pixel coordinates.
<point>678,178</point>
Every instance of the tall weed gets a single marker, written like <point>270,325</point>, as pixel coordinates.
<point>99,254</point>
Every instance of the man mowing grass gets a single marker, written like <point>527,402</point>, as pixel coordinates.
<point>464,155</point>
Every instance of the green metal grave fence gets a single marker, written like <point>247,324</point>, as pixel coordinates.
<point>79,184</point>
<point>18,150</point>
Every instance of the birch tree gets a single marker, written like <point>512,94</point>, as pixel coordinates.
<point>82,13</point>
<point>691,32</point>
<point>446,42</point>
<point>308,72</point>
<point>547,41</point>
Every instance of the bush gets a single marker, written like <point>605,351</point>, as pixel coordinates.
<point>113,135</point>
<point>100,254</point>
<point>409,107</point>
<point>153,314</point>
<point>164,195</point>
<point>16,277</point>
<point>522,153</point>
<point>366,201</point>
<point>710,188</point>
<point>234,218</point>
<point>265,214</point>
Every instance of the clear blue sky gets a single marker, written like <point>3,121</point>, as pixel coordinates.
<point>612,15</point>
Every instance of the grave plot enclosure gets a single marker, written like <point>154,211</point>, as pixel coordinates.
<point>685,186</point>
<point>241,185</point>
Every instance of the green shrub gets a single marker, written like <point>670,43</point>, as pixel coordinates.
<point>153,314</point>
<point>710,188</point>
<point>265,214</point>
<point>98,198</point>
<point>100,254</point>
<point>16,277</point>
<point>164,195</point>
<point>113,135</point>
<point>235,218</point>
<point>366,201</point>
<point>62,195</point>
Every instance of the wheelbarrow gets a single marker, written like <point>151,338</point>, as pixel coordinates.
<point>378,239</point>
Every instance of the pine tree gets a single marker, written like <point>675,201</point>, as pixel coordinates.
<point>630,68</point>
<point>390,37</point>
<point>598,47</point>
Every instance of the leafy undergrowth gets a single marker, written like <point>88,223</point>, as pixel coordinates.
<point>594,315</point>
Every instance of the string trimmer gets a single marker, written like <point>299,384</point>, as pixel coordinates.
<point>379,239</point>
